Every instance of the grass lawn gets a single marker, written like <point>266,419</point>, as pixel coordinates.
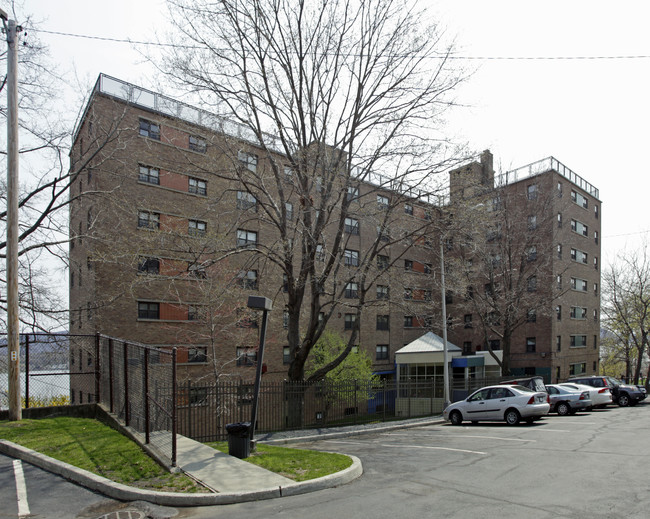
<point>296,464</point>
<point>93,446</point>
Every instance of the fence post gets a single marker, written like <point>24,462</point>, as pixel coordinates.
<point>26,370</point>
<point>97,368</point>
<point>147,424</point>
<point>110,374</point>
<point>356,402</point>
<point>174,401</point>
<point>383,399</point>
<point>126,383</point>
<point>189,432</point>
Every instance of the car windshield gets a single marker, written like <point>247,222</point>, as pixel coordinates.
<point>523,389</point>
<point>615,381</point>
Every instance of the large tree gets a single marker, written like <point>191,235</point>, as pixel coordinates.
<point>341,102</point>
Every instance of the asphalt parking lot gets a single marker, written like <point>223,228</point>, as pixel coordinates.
<point>590,465</point>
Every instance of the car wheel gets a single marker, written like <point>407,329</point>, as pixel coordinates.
<point>456,418</point>
<point>563,408</point>
<point>623,400</point>
<point>512,417</point>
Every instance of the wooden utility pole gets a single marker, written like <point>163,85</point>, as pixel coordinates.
<point>11,31</point>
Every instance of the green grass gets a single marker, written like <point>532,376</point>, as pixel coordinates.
<point>296,464</point>
<point>93,446</point>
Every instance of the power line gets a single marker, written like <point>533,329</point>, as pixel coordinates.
<point>441,56</point>
<point>627,234</point>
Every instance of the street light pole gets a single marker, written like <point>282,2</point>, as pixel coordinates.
<point>444,325</point>
<point>13,340</point>
<point>264,304</point>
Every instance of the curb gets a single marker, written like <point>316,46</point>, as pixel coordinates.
<point>128,493</point>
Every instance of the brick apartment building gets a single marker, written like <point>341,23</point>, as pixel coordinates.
<point>166,245</point>
<point>541,238</point>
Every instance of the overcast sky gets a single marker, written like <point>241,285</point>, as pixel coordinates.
<point>590,114</point>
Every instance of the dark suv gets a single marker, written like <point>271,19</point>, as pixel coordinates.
<point>622,394</point>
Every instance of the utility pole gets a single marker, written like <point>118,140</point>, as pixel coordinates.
<point>13,340</point>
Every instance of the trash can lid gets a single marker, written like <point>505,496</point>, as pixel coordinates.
<point>238,427</point>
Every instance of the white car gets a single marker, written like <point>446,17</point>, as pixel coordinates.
<point>499,403</point>
<point>599,396</point>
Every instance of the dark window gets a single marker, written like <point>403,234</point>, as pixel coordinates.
<point>197,144</point>
<point>353,193</point>
<point>532,283</point>
<point>246,200</point>
<point>531,316</point>
<point>408,209</point>
<point>383,322</point>
<point>408,264</point>
<point>149,175</point>
<point>382,202</point>
<point>148,220</point>
<point>246,238</point>
<point>381,352</point>
<point>149,129</point>
<point>558,343</point>
<point>246,356</point>
<point>531,344</point>
<point>148,310</point>
<point>197,186</point>
<point>532,192</point>
<point>467,319</point>
<point>558,312</point>
<point>382,262</point>
<point>247,279</point>
<point>350,321</point>
<point>495,344</point>
<point>149,265</point>
<point>197,355</point>
<point>408,293</point>
<point>286,355</point>
<point>351,226</point>
<point>408,321</point>
<point>352,290</point>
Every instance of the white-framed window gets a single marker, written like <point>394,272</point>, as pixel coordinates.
<point>532,222</point>
<point>352,290</point>
<point>149,265</point>
<point>197,227</point>
<point>382,202</point>
<point>578,341</point>
<point>248,160</point>
<point>246,238</point>
<point>579,256</point>
<point>149,129</point>
<point>246,356</point>
<point>382,291</point>
<point>578,312</point>
<point>579,284</point>
<point>408,209</point>
<point>352,226</point>
<point>147,220</point>
<point>351,258</point>
<point>353,193</point>
<point>320,252</point>
<point>288,207</point>
<point>559,251</point>
<point>531,192</point>
<point>149,175</point>
<point>579,199</point>
<point>197,354</point>
<point>197,186</point>
<point>246,200</point>
<point>198,144</point>
<point>579,227</point>
<point>383,322</point>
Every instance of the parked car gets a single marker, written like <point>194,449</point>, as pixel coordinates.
<point>534,383</point>
<point>499,403</point>
<point>599,396</point>
<point>566,401</point>
<point>622,394</point>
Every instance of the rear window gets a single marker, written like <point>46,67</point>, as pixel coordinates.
<point>524,389</point>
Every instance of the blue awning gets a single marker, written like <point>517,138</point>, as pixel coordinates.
<point>468,362</point>
<point>389,372</point>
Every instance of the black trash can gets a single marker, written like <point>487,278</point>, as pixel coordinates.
<point>239,444</point>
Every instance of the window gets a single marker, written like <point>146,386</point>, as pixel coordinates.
<point>596,236</point>
<point>192,313</point>
<point>148,220</point>
<point>148,310</point>
<point>559,220</point>
<point>286,355</point>
<point>383,322</point>
<point>246,356</point>
<point>559,251</point>
<point>579,256</point>
<point>353,193</point>
<point>246,238</point>
<point>408,209</point>
<point>351,226</point>
<point>197,186</point>
<point>149,266</point>
<point>531,344</point>
<point>352,290</point>
<point>288,207</point>
<point>408,264</point>
<point>248,160</point>
<point>246,200</point>
<point>596,262</point>
<point>578,368</point>
<point>382,262</point>
<point>558,280</point>
<point>285,319</point>
<point>408,293</point>
<point>149,175</point>
<point>579,199</point>
<point>320,252</point>
<point>579,227</point>
<point>596,315</point>
<point>408,321</point>
<point>532,222</point>
<point>467,319</point>
<point>531,316</point>
<point>578,341</point>
<point>382,202</point>
<point>469,294</point>
<point>495,344</point>
<point>558,343</point>
<point>381,352</point>
<point>247,279</point>
<point>559,189</point>
<point>197,355</point>
<point>384,235</point>
<point>196,227</point>
<point>596,211</point>
<point>558,312</point>
<point>532,253</point>
<point>351,258</point>
<point>531,192</point>
<point>467,348</point>
<point>595,289</point>
<point>578,312</point>
<point>198,144</point>
<point>382,291</point>
<point>350,321</point>
<point>288,173</point>
<point>578,284</point>
<point>595,342</point>
<point>149,129</point>
<point>532,283</point>
<point>428,267</point>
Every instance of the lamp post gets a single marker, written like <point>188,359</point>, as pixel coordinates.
<point>444,325</point>
<point>266,305</point>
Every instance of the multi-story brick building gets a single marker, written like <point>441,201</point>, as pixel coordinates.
<point>534,265</point>
<point>166,245</point>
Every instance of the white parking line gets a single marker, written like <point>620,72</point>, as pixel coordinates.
<point>472,436</point>
<point>21,490</point>
<point>544,429</point>
<point>416,446</point>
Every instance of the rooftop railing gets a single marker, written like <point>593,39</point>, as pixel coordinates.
<point>542,166</point>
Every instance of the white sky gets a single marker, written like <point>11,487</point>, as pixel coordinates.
<point>591,115</point>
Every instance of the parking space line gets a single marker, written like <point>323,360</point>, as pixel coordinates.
<point>473,436</point>
<point>21,490</point>
<point>416,446</point>
<point>543,429</point>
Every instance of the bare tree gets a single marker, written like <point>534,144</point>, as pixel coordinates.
<point>626,304</point>
<point>342,102</point>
